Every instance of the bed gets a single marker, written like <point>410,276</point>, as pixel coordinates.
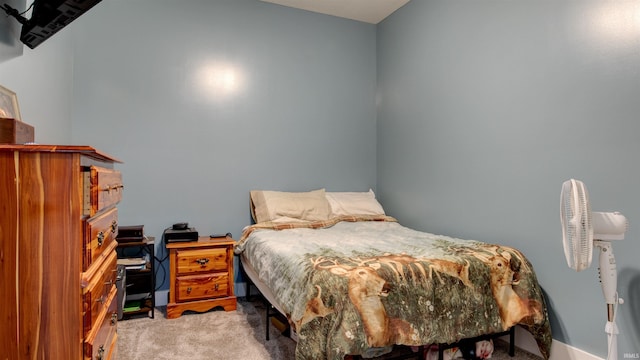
<point>353,281</point>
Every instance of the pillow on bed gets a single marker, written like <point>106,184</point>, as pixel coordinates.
<point>289,206</point>
<point>354,203</point>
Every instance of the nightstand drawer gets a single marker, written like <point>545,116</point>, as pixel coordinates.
<point>100,232</point>
<point>202,286</point>
<point>202,260</point>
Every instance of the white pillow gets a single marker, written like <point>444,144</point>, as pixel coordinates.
<point>288,206</point>
<point>354,203</point>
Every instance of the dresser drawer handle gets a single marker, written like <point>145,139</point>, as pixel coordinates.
<point>100,353</point>
<point>189,290</point>
<point>108,188</point>
<point>114,319</point>
<point>202,261</point>
<point>216,287</point>
<point>112,229</point>
<point>100,299</point>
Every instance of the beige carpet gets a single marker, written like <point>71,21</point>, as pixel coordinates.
<point>217,334</point>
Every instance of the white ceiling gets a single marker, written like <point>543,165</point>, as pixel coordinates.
<point>370,11</point>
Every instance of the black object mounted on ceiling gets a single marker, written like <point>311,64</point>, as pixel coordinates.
<point>47,18</point>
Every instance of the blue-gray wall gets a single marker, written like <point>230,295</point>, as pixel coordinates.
<point>477,104</point>
<point>10,45</point>
<point>486,107</point>
<point>205,101</point>
<point>42,80</point>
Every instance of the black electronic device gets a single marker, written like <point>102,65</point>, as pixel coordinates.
<point>220,235</point>
<point>48,17</point>
<point>180,226</point>
<point>181,234</point>
<point>132,233</point>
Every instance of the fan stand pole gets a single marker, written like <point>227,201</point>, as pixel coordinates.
<point>612,337</point>
<point>609,282</point>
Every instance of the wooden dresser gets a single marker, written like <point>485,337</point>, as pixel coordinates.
<point>201,275</point>
<point>57,252</point>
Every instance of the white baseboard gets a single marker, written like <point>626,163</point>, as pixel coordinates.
<point>559,350</point>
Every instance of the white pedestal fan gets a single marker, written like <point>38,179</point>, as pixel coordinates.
<point>581,230</point>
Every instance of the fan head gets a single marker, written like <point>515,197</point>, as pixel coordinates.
<point>577,228</point>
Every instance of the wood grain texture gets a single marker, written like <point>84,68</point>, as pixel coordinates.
<point>201,260</point>
<point>49,238</point>
<point>86,151</point>
<point>100,233</point>
<point>201,276</point>
<point>176,310</point>
<point>8,250</point>
<point>106,189</point>
<point>204,286</point>
<point>14,131</point>
<point>41,257</point>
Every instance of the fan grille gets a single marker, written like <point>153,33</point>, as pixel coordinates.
<point>577,228</point>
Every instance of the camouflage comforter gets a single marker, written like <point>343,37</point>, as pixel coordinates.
<point>357,286</point>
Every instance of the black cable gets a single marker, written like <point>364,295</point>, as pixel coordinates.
<point>164,272</point>
<point>13,12</point>
<point>161,266</point>
<point>29,8</point>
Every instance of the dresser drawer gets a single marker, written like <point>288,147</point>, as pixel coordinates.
<point>204,286</point>
<point>96,293</point>
<point>99,344</point>
<point>99,233</point>
<point>201,260</point>
<point>102,188</point>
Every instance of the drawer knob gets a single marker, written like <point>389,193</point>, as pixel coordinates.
<point>100,299</point>
<point>202,261</point>
<point>114,226</point>
<point>114,319</point>
<point>189,290</point>
<point>216,287</point>
<point>100,238</point>
<point>100,353</point>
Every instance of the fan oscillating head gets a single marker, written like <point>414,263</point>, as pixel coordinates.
<point>577,228</point>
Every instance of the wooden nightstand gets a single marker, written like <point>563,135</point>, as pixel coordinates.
<point>201,275</point>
